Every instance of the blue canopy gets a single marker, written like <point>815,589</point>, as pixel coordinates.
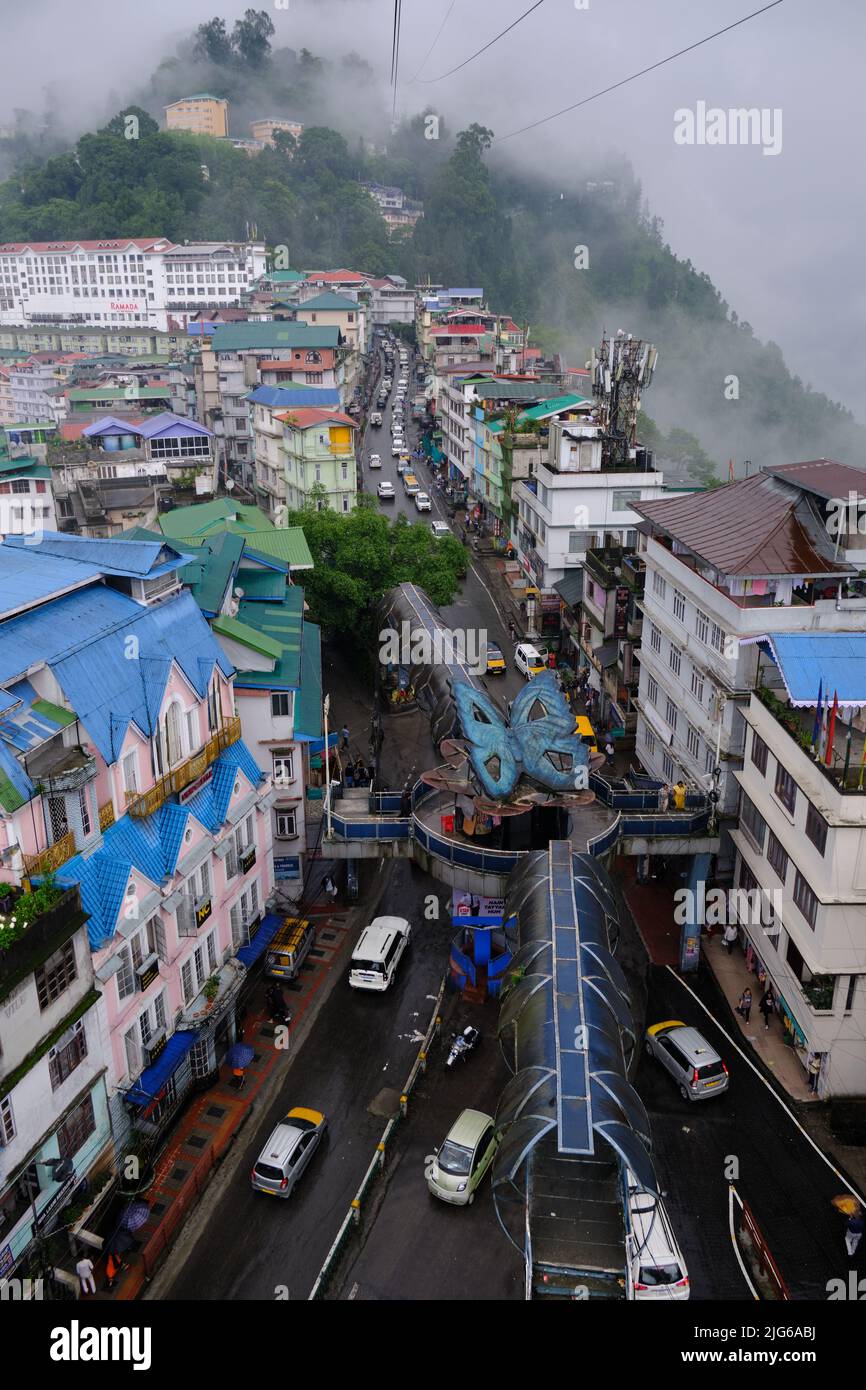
<point>153,1078</point>
<point>262,939</point>
<point>835,659</point>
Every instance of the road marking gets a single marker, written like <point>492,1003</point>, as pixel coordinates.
<point>354,1290</point>
<point>749,1063</point>
<point>735,1243</point>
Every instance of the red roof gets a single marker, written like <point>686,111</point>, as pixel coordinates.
<point>329,277</point>
<point>306,416</point>
<point>119,244</point>
<point>456,330</point>
<point>823,476</point>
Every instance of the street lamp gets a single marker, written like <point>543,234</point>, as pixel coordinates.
<point>327,709</point>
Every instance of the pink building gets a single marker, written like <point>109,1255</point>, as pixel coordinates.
<point>122,769</point>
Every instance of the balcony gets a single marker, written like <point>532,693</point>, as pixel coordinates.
<point>799,723</point>
<point>44,918</point>
<point>183,776</point>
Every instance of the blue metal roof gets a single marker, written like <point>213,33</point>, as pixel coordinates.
<point>262,939</point>
<point>286,397</point>
<point>835,660</point>
<point>127,558</point>
<point>23,583</point>
<point>148,1086</point>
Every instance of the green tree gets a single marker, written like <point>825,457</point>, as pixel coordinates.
<point>251,37</point>
<point>213,43</point>
<point>118,124</point>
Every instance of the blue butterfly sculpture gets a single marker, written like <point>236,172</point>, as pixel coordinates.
<point>540,742</point>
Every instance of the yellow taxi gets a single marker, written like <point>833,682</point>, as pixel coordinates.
<point>583,727</point>
<point>495,661</point>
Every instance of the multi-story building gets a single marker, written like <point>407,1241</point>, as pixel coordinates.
<point>122,283</point>
<point>202,114</point>
<point>269,404</point>
<point>27,504</point>
<point>799,850</point>
<point>125,773</point>
<point>605,631</point>
<point>92,342</point>
<point>7,404</point>
<point>319,450</point>
<point>725,569</point>
<point>54,1120</point>
<point>265,129</point>
<point>393,301</point>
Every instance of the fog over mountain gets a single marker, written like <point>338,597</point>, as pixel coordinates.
<point>776,233</point>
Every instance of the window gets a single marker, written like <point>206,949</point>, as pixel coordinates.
<point>130,774</point>
<point>56,975</point>
<point>281,704</point>
<point>777,857</point>
<point>159,1011</point>
<point>702,625</point>
<point>84,810</point>
<point>693,742</point>
<point>679,605</point>
<point>186,982</point>
<point>192,729</point>
<point>283,769</point>
<point>77,1129</point>
<point>805,899</point>
<point>652,690</point>
<point>649,740</point>
<point>68,1053</point>
<point>786,788</point>
<point>849,997</point>
<point>697,685</point>
<point>759,753</point>
<point>752,822</point>
<point>668,765</point>
<point>816,829</point>
<point>655,638</point>
<point>671,714</point>
<point>675,659</point>
<point>7,1121</point>
<point>622,499</point>
<point>173,734</point>
<point>717,637</point>
<point>125,977</point>
<point>286,825</point>
<point>659,585</point>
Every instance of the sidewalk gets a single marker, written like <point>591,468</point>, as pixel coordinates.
<point>213,1119</point>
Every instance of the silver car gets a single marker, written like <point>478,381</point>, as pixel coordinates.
<point>684,1052</point>
<point>287,1152</point>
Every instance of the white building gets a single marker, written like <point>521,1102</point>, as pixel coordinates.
<point>723,569</point>
<point>802,839</point>
<point>122,282</point>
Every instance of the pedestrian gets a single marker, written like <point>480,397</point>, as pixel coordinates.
<point>330,887</point>
<point>405,804</point>
<point>112,1269</point>
<point>84,1270</point>
<point>609,752</point>
<point>344,735</point>
<point>744,1008</point>
<point>854,1232</point>
<point>349,775</point>
<point>680,795</point>
<point>814,1072</point>
<point>664,798</point>
<point>762,977</point>
<point>729,936</point>
<point>766,1005</point>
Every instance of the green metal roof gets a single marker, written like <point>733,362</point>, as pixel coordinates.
<point>10,799</point>
<point>308,711</point>
<point>281,625</point>
<point>285,276</point>
<point>288,544</point>
<point>210,573</point>
<point>56,713</point>
<point>202,518</point>
<point>261,584</point>
<point>25,465</point>
<point>118,393</point>
<point>251,637</point>
<point>329,299</point>
<point>235,337</point>
<point>552,407</point>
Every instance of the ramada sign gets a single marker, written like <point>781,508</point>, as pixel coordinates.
<point>125,308</point>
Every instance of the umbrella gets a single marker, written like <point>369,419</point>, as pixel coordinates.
<point>135,1216</point>
<point>120,1242</point>
<point>849,1206</point>
<point>240,1055</point>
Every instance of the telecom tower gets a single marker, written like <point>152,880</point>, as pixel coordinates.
<point>621,369</point>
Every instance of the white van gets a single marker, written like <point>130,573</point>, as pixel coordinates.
<point>656,1265</point>
<point>377,954</point>
<point>528,660</point>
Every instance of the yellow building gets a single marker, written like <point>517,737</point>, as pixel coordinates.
<point>202,114</point>
<point>264,130</point>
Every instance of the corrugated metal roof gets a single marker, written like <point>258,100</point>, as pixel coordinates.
<point>308,716</point>
<point>26,580</point>
<point>117,555</point>
<point>755,527</point>
<point>288,395</point>
<point>262,584</point>
<point>835,660</point>
<point>329,299</point>
<point>825,477</point>
<point>281,624</point>
<point>239,337</point>
<point>248,637</point>
<point>210,572</point>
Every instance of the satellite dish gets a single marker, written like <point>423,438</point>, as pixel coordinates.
<point>238,593</point>
<point>229,484</point>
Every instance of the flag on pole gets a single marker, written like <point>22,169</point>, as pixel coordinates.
<point>816,727</point>
<point>832,730</point>
<point>847,757</point>
<point>862,767</point>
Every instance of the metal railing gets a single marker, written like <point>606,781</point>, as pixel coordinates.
<point>147,802</point>
<point>52,857</point>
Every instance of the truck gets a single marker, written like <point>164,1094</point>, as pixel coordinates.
<point>289,948</point>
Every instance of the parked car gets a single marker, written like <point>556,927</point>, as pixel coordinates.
<point>495,660</point>
<point>386,491</point>
<point>289,949</point>
<point>422,502</point>
<point>658,1270</point>
<point>288,1152</point>
<point>439,530</point>
<point>695,1066</point>
<point>396,449</point>
<point>454,1171</point>
<point>379,951</point>
<point>375,461</point>
<point>528,660</point>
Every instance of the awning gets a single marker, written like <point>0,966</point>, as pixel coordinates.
<point>570,588</point>
<point>148,1086</point>
<point>835,660</point>
<point>262,939</point>
<point>606,654</point>
<point>317,745</point>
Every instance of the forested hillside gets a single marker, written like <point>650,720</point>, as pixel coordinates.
<point>486,222</point>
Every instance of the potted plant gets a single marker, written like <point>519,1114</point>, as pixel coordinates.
<point>211,989</point>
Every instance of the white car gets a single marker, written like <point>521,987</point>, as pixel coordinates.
<point>375,461</point>
<point>396,448</point>
<point>386,490</point>
<point>440,530</point>
<point>422,502</point>
<point>658,1270</point>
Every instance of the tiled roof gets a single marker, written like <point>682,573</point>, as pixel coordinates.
<point>757,527</point>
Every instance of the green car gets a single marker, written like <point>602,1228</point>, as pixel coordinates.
<point>454,1172</point>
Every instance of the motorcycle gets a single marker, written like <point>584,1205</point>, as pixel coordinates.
<point>462,1044</point>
